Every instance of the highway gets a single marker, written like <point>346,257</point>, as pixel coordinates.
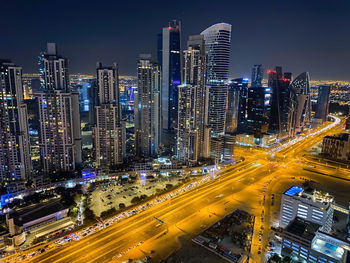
<point>243,186</point>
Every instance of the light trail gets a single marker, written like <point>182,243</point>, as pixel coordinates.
<point>300,138</point>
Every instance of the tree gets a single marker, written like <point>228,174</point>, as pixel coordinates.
<point>143,197</point>
<point>108,212</point>
<point>136,199</point>
<point>73,211</point>
<point>89,214</point>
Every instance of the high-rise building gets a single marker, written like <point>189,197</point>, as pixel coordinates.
<point>60,134</point>
<point>15,160</point>
<point>187,135</point>
<point>257,75</point>
<point>237,106</point>
<point>322,102</point>
<point>217,45</point>
<point>170,50</point>
<point>193,131</point>
<point>147,107</point>
<point>109,131</point>
<point>258,110</point>
<point>280,101</point>
<point>300,117</point>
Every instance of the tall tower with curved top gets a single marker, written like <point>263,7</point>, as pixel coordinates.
<point>301,103</point>
<point>217,45</point>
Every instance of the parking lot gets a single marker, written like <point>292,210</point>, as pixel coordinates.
<point>110,194</point>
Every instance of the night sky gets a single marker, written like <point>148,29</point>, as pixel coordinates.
<point>299,35</point>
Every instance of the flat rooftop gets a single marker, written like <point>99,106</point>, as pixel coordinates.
<point>303,228</point>
<point>311,194</point>
<point>34,212</point>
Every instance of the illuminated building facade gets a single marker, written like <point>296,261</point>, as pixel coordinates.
<point>236,114</point>
<point>147,107</point>
<point>305,241</point>
<point>187,135</point>
<point>307,219</point>
<point>109,131</point>
<point>310,205</point>
<point>15,160</point>
<point>60,135</point>
<point>217,44</point>
<point>258,111</point>
<point>193,131</point>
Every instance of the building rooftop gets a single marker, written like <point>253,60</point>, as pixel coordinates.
<point>304,229</point>
<point>310,194</point>
<point>31,213</point>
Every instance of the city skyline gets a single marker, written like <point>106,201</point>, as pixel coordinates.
<point>309,43</point>
<point>199,125</point>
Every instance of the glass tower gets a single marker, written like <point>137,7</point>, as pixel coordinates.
<point>322,102</point>
<point>280,101</point>
<point>300,117</point>
<point>217,44</point>
<point>171,73</point>
<point>237,106</point>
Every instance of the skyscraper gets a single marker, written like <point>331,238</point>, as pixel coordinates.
<point>187,135</point>
<point>257,75</point>
<point>15,160</point>
<point>193,132</point>
<point>170,51</point>
<point>237,106</point>
<point>60,135</point>
<point>258,110</point>
<point>147,107</point>
<point>280,101</point>
<point>217,45</point>
<point>300,116</point>
<point>109,132</point>
<point>322,102</point>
